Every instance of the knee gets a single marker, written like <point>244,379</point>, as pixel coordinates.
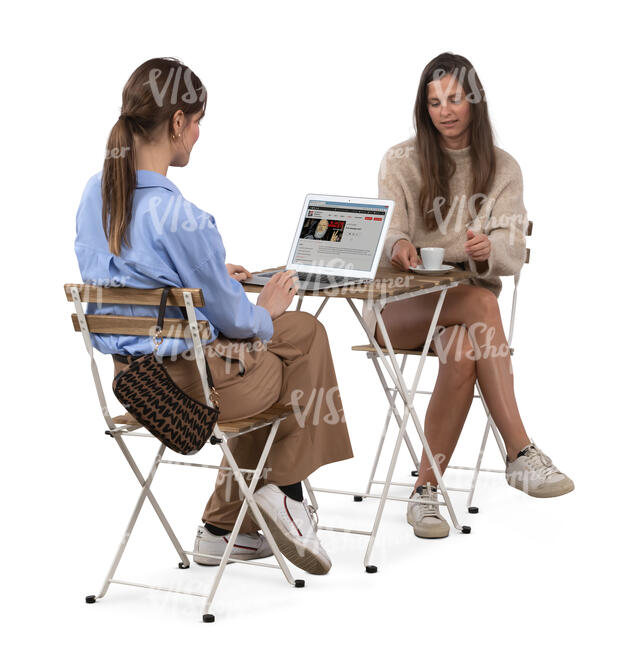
<point>302,327</point>
<point>484,303</point>
<point>457,361</point>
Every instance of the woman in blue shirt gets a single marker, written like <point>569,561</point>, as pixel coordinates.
<point>134,228</point>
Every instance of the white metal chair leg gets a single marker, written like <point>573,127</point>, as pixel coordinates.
<point>370,568</point>
<point>131,524</point>
<point>408,397</point>
<point>391,395</point>
<point>311,494</point>
<point>185,563</point>
<point>472,509</point>
<point>248,494</point>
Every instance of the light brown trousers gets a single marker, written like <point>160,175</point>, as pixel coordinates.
<point>295,367</point>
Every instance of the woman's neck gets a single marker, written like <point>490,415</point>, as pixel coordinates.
<point>460,142</point>
<point>152,157</point>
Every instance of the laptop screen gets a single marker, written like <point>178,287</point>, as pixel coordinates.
<point>340,235</point>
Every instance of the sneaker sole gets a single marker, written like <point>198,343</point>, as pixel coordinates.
<point>208,561</point>
<point>304,559</point>
<point>433,533</point>
<point>547,493</point>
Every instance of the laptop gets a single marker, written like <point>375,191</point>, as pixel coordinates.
<point>338,242</point>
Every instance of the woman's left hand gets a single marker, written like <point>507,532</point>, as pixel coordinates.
<point>477,246</point>
<point>238,272</point>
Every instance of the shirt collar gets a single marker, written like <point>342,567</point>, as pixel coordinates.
<point>146,178</point>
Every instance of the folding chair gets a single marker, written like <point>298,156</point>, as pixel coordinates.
<point>121,426</point>
<point>391,394</point>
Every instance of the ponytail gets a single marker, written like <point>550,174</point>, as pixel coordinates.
<point>119,179</point>
<point>144,110</point>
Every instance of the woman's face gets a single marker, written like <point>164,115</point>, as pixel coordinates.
<point>449,110</point>
<point>182,146</point>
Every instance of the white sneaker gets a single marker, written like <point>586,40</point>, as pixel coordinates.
<point>248,546</point>
<point>534,473</point>
<point>425,517</point>
<point>293,528</point>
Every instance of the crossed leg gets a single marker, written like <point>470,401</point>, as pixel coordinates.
<point>473,346</point>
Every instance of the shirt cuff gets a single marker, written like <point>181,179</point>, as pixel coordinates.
<point>265,328</point>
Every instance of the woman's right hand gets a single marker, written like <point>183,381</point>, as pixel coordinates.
<point>404,255</point>
<point>278,293</point>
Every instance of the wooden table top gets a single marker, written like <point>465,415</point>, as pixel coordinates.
<point>388,282</point>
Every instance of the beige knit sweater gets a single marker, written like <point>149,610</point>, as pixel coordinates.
<point>502,215</point>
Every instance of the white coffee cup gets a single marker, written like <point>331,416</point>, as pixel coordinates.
<point>432,258</point>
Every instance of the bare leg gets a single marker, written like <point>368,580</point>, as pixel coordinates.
<point>455,384</point>
<point>477,308</point>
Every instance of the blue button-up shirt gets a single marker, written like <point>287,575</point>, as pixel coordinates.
<point>172,243</point>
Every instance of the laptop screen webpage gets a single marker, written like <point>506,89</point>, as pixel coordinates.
<point>340,235</point>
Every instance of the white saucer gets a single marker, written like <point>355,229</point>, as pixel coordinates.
<point>444,268</point>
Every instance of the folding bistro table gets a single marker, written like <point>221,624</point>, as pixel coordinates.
<point>390,286</point>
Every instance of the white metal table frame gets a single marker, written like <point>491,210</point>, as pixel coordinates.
<point>395,372</point>
<point>218,437</point>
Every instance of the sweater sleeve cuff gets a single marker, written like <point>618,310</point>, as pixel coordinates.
<point>391,239</point>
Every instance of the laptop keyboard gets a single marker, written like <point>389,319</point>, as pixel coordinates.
<point>322,279</point>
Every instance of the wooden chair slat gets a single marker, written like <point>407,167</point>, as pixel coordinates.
<point>268,416</point>
<point>139,326</point>
<point>417,352</point>
<point>129,296</point>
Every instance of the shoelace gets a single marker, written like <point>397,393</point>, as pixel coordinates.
<point>540,462</point>
<point>429,495</point>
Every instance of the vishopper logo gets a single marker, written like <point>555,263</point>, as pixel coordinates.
<point>457,211</point>
<point>471,212</point>
<point>171,83</point>
<point>226,482</point>
<point>474,96</point>
<point>176,213</point>
<point>93,291</point>
<point>312,410</point>
<point>395,153</point>
<point>230,351</point>
<point>481,337</point>
<point>380,287</point>
<point>117,152</point>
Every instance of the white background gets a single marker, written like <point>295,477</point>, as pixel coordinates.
<point>307,98</point>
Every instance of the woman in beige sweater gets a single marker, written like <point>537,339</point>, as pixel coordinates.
<point>455,190</point>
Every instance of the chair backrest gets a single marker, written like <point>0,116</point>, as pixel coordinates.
<point>513,308</point>
<point>137,325</point>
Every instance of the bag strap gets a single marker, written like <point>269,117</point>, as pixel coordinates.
<point>160,319</point>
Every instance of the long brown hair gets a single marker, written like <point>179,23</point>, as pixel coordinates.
<point>156,90</point>
<point>436,165</point>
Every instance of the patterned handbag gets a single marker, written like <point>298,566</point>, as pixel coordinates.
<point>148,393</point>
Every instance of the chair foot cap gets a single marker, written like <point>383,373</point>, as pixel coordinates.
<point>299,584</point>
<point>415,473</point>
<point>473,510</point>
<point>371,568</point>
<point>208,618</point>
<point>466,530</point>
<point>357,498</point>
<point>184,566</point>
<point>91,599</point>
